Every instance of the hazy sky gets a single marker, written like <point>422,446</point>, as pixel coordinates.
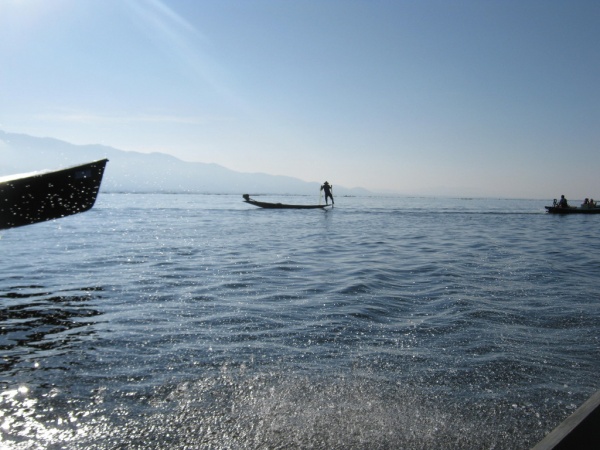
<point>483,97</point>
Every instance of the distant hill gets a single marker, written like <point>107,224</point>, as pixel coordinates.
<point>142,172</point>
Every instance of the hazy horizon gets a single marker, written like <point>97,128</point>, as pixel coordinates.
<point>62,154</point>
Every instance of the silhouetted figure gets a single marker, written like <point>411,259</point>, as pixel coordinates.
<point>563,202</point>
<point>589,203</point>
<point>327,188</point>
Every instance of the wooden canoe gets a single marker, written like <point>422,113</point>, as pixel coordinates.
<point>247,199</point>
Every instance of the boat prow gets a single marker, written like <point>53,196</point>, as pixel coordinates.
<point>31,198</point>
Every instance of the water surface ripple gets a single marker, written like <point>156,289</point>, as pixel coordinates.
<point>198,321</point>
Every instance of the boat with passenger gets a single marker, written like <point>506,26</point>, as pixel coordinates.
<point>562,207</point>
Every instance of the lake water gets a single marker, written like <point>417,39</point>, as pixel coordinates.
<point>199,321</point>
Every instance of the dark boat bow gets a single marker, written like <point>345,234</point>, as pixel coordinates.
<point>38,197</point>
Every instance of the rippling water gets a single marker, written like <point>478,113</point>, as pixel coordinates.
<point>198,321</point>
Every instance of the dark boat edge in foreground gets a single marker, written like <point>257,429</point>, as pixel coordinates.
<point>43,196</point>
<point>247,199</point>
<point>578,431</point>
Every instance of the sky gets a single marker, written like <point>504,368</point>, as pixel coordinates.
<point>489,98</point>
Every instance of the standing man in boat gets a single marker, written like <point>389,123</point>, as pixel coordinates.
<point>327,188</point>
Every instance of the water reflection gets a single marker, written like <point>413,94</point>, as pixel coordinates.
<point>36,324</point>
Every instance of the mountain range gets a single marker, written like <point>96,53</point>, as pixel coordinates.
<point>129,171</point>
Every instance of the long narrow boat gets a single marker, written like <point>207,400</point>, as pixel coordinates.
<point>37,197</point>
<point>247,199</point>
<point>572,210</point>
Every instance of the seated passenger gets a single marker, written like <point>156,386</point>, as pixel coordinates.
<point>592,203</point>
<point>563,202</point>
<point>586,203</point>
